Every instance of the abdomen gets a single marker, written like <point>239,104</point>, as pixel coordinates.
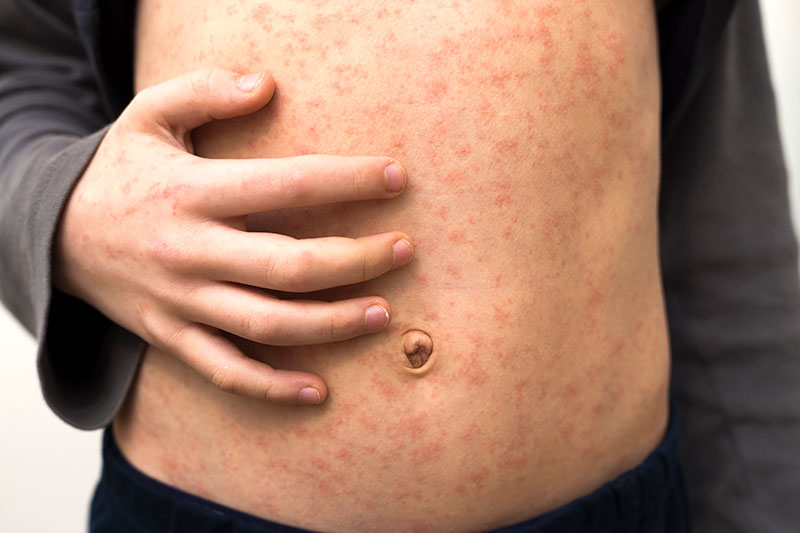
<point>530,134</point>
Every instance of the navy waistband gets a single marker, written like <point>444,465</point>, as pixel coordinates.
<point>647,499</point>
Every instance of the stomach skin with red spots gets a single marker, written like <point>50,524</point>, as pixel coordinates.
<point>529,131</point>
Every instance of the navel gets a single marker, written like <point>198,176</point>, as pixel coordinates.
<point>417,347</point>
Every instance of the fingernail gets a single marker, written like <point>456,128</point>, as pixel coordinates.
<point>395,177</point>
<point>308,395</point>
<point>376,317</point>
<point>403,252</point>
<point>248,82</point>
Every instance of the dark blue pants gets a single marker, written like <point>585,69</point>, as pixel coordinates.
<point>648,499</point>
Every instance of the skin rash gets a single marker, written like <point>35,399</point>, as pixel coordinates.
<point>529,131</point>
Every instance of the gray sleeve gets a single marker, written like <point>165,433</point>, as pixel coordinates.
<point>729,257</point>
<point>51,122</point>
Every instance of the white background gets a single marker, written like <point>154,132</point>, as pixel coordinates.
<point>48,469</point>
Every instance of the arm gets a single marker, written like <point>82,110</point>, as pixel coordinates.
<point>730,267</point>
<point>49,109</point>
<point>154,237</point>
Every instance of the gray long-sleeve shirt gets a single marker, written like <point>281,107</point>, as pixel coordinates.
<point>728,250</point>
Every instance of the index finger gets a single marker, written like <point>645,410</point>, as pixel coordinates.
<point>246,186</point>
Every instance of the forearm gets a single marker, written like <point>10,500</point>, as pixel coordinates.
<point>730,267</point>
<point>50,106</point>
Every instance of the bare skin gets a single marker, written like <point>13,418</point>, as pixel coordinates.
<point>529,132</point>
<point>189,280</point>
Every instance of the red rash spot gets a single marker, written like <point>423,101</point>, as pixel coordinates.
<point>570,391</point>
<point>455,176</point>
<point>547,10</point>
<point>454,271</point>
<point>474,373</point>
<point>500,80</point>
<point>300,431</point>
<point>430,451</point>
<point>586,69</point>
<point>110,252</point>
<point>464,150</point>
<point>478,477</point>
<point>506,145</point>
<point>487,112</point>
<point>506,232</point>
<point>502,316</point>
<point>475,339</point>
<point>516,462</point>
<point>502,199</point>
<point>421,279</point>
<point>348,408</point>
<point>542,34</point>
<point>410,428</point>
<point>388,390</point>
<point>319,464</point>
<point>303,149</point>
<point>458,236</point>
<point>170,464</point>
<point>436,89</point>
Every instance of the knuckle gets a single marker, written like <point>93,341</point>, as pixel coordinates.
<point>261,326</point>
<point>266,391</point>
<point>337,325</point>
<point>354,264</point>
<point>362,264</point>
<point>224,377</point>
<point>141,105</point>
<point>291,183</point>
<point>151,326</point>
<point>166,253</point>
<point>200,81</point>
<point>292,272</point>
<point>176,293</point>
<point>161,332</point>
<point>357,178</point>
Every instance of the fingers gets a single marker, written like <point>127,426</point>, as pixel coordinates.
<point>222,363</point>
<point>192,99</point>
<point>246,186</point>
<point>283,263</point>
<point>255,315</point>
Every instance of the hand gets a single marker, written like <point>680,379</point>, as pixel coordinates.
<point>156,239</point>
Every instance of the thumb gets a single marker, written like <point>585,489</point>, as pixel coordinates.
<point>195,98</point>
